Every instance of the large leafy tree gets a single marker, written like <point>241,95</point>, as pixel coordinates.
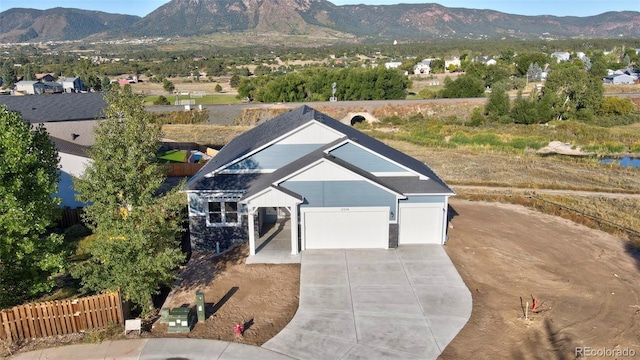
<point>29,253</point>
<point>135,250</point>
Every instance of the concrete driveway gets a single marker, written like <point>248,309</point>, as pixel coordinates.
<point>404,303</point>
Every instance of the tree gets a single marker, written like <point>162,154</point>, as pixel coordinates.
<point>8,75</point>
<point>135,250</point>
<point>105,83</point>
<point>464,86</point>
<point>234,81</point>
<point>168,85</point>
<point>498,103</point>
<point>29,253</point>
<point>218,88</point>
<point>534,73</point>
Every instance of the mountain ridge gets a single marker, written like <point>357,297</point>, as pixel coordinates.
<point>309,17</point>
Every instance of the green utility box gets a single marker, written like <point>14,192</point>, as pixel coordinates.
<point>200,306</point>
<point>180,320</point>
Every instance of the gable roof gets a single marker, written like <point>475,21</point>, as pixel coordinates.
<point>57,107</point>
<point>271,130</point>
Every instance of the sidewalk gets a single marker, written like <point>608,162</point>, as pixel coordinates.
<point>148,349</point>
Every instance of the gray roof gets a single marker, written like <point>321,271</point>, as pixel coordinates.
<point>263,134</point>
<point>68,147</point>
<point>57,107</point>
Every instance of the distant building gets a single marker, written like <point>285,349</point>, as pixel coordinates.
<point>423,67</point>
<point>45,77</point>
<point>485,60</point>
<point>561,56</point>
<point>392,65</point>
<point>72,84</point>
<point>619,79</point>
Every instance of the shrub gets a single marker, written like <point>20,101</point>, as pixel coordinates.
<point>162,100</point>
<point>75,232</point>
<point>613,105</point>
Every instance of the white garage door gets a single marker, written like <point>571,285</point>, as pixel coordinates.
<point>420,224</point>
<point>346,228</point>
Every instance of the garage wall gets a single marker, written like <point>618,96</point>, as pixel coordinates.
<point>343,194</point>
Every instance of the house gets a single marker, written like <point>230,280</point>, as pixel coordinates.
<point>48,77</point>
<point>392,64</point>
<point>70,120</point>
<point>619,79</point>
<point>72,84</point>
<point>29,87</point>
<point>338,187</point>
<point>423,67</point>
<point>455,63</point>
<point>485,60</point>
<point>561,56</point>
<point>74,159</point>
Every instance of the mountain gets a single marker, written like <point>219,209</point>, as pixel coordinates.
<point>311,17</point>
<point>22,25</point>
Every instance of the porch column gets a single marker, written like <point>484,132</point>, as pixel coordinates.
<point>293,210</point>
<point>252,232</point>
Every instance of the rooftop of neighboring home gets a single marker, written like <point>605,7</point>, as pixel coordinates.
<point>57,107</point>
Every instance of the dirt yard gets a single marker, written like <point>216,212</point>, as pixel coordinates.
<point>587,282</point>
<point>262,297</point>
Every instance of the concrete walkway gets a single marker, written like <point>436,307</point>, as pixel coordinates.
<point>154,349</point>
<point>407,303</point>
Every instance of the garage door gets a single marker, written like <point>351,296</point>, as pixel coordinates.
<point>346,228</point>
<point>420,224</point>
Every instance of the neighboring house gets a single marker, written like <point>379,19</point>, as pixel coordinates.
<point>392,65</point>
<point>70,117</point>
<point>74,159</point>
<point>29,87</point>
<point>423,67</point>
<point>561,56</point>
<point>45,77</point>
<point>485,60</point>
<point>619,79</point>
<point>338,187</point>
<point>455,62</point>
<point>72,84</point>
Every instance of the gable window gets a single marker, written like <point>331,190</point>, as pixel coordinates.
<point>224,213</point>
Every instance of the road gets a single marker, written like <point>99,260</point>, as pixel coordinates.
<point>484,189</point>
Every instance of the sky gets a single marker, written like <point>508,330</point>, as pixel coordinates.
<point>521,7</point>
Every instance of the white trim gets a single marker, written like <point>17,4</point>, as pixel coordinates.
<point>393,174</point>
<point>265,191</point>
<point>421,176</point>
<point>275,141</point>
<point>430,194</point>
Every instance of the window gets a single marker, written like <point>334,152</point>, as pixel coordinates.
<point>223,213</point>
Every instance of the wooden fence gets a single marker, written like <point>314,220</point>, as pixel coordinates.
<point>60,317</point>
<point>70,217</point>
<point>184,169</point>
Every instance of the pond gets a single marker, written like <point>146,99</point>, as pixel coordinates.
<point>623,161</point>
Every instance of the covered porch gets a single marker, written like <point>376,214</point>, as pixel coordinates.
<point>273,226</point>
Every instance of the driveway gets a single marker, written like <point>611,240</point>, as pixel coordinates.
<point>404,303</point>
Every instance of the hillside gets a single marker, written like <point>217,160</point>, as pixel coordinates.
<point>22,25</point>
<point>310,17</point>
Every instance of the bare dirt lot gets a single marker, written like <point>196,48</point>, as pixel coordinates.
<point>586,280</point>
<point>262,297</point>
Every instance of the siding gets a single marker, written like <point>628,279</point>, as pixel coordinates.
<point>365,159</point>
<point>275,156</point>
<point>343,194</point>
<point>204,237</point>
<point>417,199</point>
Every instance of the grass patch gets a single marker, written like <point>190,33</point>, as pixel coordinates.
<point>213,99</point>
<point>172,156</point>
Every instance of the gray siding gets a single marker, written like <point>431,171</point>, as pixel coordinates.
<point>343,194</point>
<point>204,237</point>
<point>275,156</point>
<point>364,159</point>
<point>418,199</point>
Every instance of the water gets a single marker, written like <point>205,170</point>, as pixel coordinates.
<point>623,161</point>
